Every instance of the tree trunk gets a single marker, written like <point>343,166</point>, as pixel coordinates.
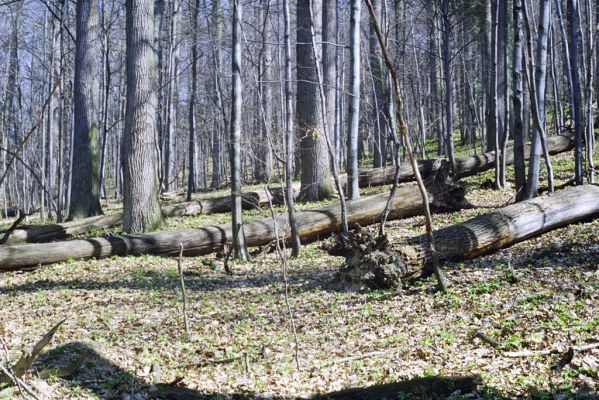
<point>312,224</point>
<point>379,118</point>
<point>192,175</point>
<point>235,145</point>
<point>289,134</point>
<point>576,89</point>
<point>518,121</point>
<point>538,99</point>
<point>446,57</point>
<point>354,102</point>
<point>85,193</point>
<point>315,171</point>
<point>141,205</point>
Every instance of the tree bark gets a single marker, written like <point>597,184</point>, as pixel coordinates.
<point>85,193</point>
<point>141,205</point>
<point>312,224</point>
<point>354,102</point>
<point>379,117</point>
<point>478,236</point>
<point>315,170</point>
<point>465,166</point>
<point>192,174</point>
<point>517,100</point>
<point>235,146</point>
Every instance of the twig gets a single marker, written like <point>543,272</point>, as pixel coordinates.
<point>183,291</point>
<point>18,382</point>
<point>360,357</point>
<point>555,350</point>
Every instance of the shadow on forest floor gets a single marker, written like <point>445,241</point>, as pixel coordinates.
<point>109,381</point>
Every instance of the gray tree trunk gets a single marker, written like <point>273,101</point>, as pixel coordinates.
<point>192,174</point>
<point>85,193</point>
<point>354,102</point>
<point>517,88</point>
<point>289,136</point>
<point>379,77</point>
<point>574,26</point>
<point>538,99</point>
<point>141,205</point>
<point>263,169</point>
<point>235,146</point>
<point>447,77</point>
<point>315,169</point>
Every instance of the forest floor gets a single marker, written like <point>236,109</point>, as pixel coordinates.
<point>537,295</point>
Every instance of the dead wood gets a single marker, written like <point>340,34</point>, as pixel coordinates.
<point>312,224</point>
<point>371,262</point>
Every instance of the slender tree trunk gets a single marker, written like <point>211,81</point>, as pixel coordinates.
<point>289,134</point>
<point>235,146</point>
<point>192,175</point>
<point>538,97</point>
<point>354,102</point>
<point>518,127</point>
<point>85,194</point>
<point>379,78</point>
<point>141,205</point>
<point>574,26</point>
<point>447,76</point>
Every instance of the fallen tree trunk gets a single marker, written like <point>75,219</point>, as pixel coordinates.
<point>380,266</point>
<point>49,232</point>
<point>465,166</point>
<point>312,224</point>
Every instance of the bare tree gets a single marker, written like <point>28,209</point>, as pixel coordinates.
<point>192,174</point>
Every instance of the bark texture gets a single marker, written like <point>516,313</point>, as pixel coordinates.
<point>314,157</point>
<point>85,193</point>
<point>141,190</point>
<point>483,234</point>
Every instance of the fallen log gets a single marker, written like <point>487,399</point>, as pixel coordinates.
<point>465,166</point>
<point>372,262</point>
<point>58,231</point>
<point>312,224</point>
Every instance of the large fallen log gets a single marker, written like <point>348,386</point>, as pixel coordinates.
<point>312,224</point>
<point>58,231</point>
<point>382,265</point>
<point>465,166</point>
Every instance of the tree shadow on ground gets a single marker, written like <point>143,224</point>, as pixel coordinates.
<point>107,381</point>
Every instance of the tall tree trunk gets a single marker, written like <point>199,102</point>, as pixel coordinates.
<point>538,97</point>
<point>263,169</point>
<point>315,170</point>
<point>354,102</point>
<point>574,26</point>
<point>172,97</point>
<point>502,85</point>
<point>141,205</point>
<point>192,174</point>
<point>217,33</point>
<point>85,193</point>
<point>379,77</point>
<point>289,134</point>
<point>518,127</point>
<point>235,146</point>
<point>329,72</point>
<point>445,16</point>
